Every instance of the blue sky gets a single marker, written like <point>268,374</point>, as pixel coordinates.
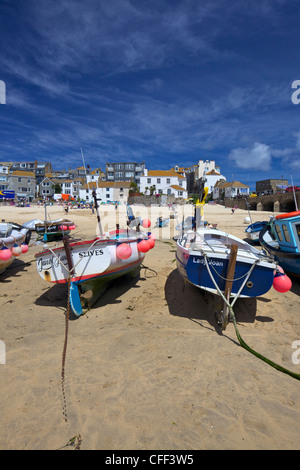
<point>162,81</point>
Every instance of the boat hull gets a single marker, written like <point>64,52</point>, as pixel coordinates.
<point>96,263</point>
<point>192,267</point>
<point>289,261</point>
<point>15,236</point>
<point>253,231</point>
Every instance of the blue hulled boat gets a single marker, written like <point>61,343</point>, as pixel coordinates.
<point>281,239</point>
<point>253,230</point>
<point>223,264</point>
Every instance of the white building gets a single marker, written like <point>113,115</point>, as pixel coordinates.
<point>163,182</point>
<point>205,166</point>
<point>211,178</point>
<point>236,189</point>
<point>106,191</point>
<point>230,190</point>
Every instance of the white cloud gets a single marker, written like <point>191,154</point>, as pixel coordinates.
<point>258,157</point>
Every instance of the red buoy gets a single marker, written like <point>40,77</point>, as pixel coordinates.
<point>146,223</point>
<point>5,254</point>
<point>143,246</point>
<point>124,251</point>
<point>282,282</point>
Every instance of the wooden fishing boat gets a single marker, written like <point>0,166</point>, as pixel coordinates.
<point>53,230</point>
<point>90,265</point>
<point>281,239</point>
<point>14,241</point>
<point>222,264</point>
<point>253,230</point>
<point>50,230</point>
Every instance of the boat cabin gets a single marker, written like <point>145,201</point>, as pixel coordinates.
<point>286,231</point>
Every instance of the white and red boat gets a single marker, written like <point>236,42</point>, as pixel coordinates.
<point>89,265</point>
<point>14,241</point>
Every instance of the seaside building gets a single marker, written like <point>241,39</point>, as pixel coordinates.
<point>167,182</point>
<point>23,183</point>
<point>125,171</point>
<point>236,189</point>
<point>270,186</point>
<point>207,175</point>
<point>106,191</point>
<point>38,168</point>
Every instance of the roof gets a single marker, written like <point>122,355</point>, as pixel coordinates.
<point>23,173</point>
<point>237,184</point>
<point>164,173</point>
<point>213,172</point>
<point>106,184</point>
<point>178,188</point>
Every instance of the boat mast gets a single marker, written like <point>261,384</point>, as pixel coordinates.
<point>296,205</point>
<point>97,211</point>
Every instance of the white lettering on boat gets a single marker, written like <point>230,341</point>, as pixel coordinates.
<point>201,261</point>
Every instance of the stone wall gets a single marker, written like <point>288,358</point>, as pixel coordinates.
<point>271,203</point>
<point>151,200</point>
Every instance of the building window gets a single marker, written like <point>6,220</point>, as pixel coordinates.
<point>286,233</point>
<point>149,180</point>
<point>158,180</point>
<point>168,180</point>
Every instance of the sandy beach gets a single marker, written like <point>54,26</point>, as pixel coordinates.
<point>147,368</point>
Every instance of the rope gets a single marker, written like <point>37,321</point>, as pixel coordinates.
<point>65,351</point>
<point>241,341</point>
<point>260,356</point>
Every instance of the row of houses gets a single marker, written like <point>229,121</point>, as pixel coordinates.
<point>33,179</point>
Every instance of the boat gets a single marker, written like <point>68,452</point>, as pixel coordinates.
<point>281,239</point>
<point>253,230</point>
<point>50,230</point>
<point>14,241</point>
<point>53,230</point>
<point>222,264</point>
<point>89,266</point>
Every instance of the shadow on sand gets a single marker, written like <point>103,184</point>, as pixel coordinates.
<point>13,270</point>
<point>186,300</point>
<point>58,293</point>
